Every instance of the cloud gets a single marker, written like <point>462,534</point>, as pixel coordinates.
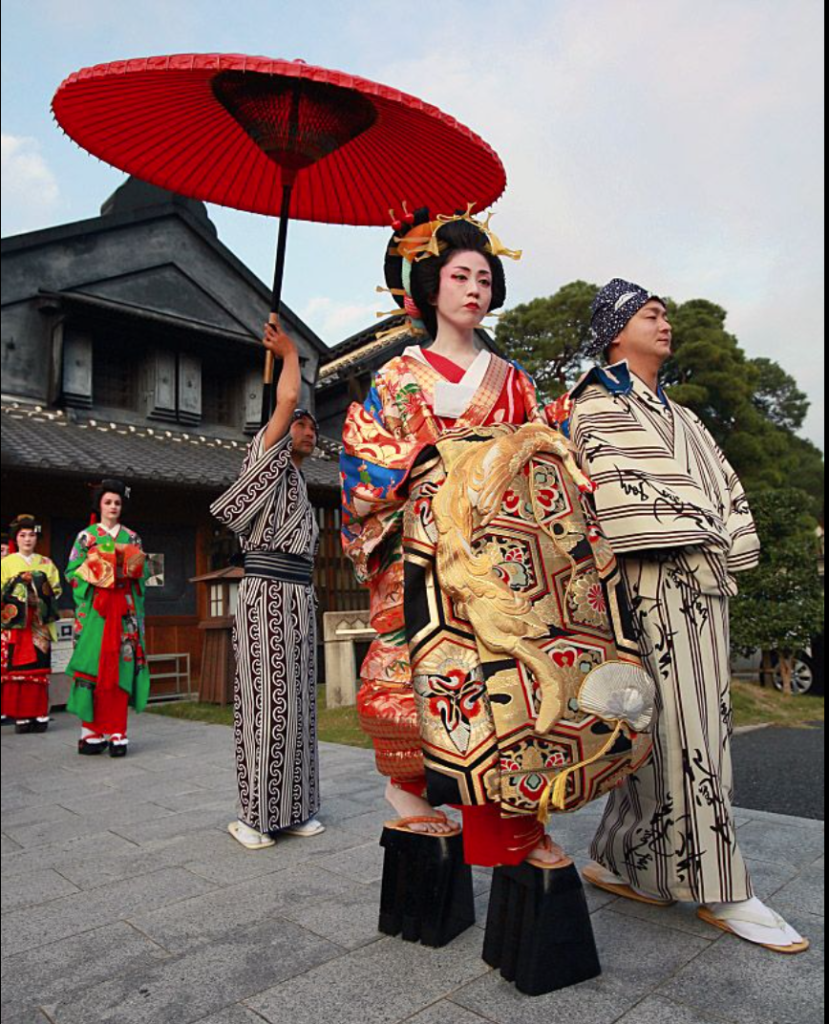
<point>334,321</point>
<point>29,189</point>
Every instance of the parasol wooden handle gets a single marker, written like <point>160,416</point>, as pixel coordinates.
<point>270,364</point>
<point>270,359</point>
<point>271,370</point>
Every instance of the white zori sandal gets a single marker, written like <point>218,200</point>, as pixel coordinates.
<point>307,831</point>
<point>754,922</point>
<point>249,837</point>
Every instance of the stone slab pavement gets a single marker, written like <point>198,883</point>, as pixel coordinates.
<point>124,900</point>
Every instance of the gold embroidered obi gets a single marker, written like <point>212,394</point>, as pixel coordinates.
<point>527,678</point>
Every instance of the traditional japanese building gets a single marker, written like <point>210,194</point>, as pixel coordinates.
<point>130,348</point>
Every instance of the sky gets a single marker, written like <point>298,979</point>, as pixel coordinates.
<point>677,143</point>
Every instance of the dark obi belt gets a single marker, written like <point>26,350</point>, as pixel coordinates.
<point>280,566</point>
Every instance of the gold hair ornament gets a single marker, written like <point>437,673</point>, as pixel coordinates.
<point>418,245</point>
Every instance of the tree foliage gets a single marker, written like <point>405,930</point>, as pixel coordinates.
<point>546,337</point>
<point>778,397</point>
<point>781,604</point>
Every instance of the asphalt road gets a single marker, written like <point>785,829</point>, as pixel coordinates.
<point>781,770</point>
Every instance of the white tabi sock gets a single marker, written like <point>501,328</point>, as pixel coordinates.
<point>251,834</point>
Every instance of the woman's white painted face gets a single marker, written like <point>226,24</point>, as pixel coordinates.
<point>112,505</point>
<point>26,542</point>
<point>465,295</point>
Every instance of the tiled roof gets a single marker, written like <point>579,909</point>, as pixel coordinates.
<point>362,338</point>
<point>52,440</point>
<point>362,348</point>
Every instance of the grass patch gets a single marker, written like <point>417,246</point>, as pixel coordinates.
<point>753,705</point>
<point>336,725</point>
<point>192,711</point>
<point>757,705</point>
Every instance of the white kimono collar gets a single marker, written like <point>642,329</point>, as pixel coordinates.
<point>451,401</point>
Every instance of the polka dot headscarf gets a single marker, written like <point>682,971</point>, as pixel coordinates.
<point>612,309</point>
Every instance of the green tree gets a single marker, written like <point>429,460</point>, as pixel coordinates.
<point>781,604</point>
<point>778,397</point>
<point>709,372</point>
<point>546,337</point>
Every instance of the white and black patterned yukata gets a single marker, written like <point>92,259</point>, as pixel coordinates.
<point>677,518</point>
<point>275,640</point>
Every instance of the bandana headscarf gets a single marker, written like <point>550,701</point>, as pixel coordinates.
<point>612,309</point>
<point>303,414</point>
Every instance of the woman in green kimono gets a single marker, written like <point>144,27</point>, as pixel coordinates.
<point>107,571</point>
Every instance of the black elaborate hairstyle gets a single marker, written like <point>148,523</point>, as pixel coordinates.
<point>455,236</point>
<point>109,486</point>
<point>25,521</point>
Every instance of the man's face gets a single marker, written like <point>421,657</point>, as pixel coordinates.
<point>647,335</point>
<point>304,435</point>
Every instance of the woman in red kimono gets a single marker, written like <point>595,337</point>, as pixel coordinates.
<point>431,717</point>
<point>417,398</point>
<point>504,680</point>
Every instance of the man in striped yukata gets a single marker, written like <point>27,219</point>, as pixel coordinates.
<point>275,635</point>
<point>677,518</point>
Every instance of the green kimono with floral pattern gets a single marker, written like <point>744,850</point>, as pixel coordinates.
<point>134,673</point>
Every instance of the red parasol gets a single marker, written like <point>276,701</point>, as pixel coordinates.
<point>277,137</point>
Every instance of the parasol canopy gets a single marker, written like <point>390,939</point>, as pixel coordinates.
<point>236,130</point>
<point>276,137</point>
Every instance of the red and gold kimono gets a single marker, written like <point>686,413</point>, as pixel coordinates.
<point>494,599</point>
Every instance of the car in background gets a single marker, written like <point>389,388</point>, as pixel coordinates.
<point>807,677</point>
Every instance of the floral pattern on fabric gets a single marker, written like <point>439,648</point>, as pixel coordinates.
<point>93,663</point>
<point>383,440</point>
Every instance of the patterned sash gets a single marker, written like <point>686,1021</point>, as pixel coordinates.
<point>513,604</point>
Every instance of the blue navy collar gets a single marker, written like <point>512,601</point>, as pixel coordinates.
<point>616,380</point>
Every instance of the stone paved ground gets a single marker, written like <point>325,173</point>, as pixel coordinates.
<point>125,901</point>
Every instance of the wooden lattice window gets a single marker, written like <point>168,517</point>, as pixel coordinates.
<point>220,399</point>
<point>114,378</point>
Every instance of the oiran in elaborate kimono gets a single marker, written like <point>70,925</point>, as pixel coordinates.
<point>505,679</point>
